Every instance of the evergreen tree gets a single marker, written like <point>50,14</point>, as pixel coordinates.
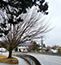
<point>35,46</point>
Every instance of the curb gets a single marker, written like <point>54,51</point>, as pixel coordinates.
<point>26,60</point>
<point>30,58</point>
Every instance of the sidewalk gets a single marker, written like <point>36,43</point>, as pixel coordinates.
<point>21,61</point>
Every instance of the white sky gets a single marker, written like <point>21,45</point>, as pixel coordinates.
<point>54,36</point>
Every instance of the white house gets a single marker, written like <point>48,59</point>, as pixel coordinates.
<point>23,47</point>
<point>54,51</point>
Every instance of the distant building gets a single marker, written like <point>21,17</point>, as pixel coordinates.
<point>44,48</point>
<point>2,49</point>
<point>24,47</point>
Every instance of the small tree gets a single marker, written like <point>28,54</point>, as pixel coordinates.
<point>59,50</point>
<point>27,30</point>
<point>48,48</point>
<point>44,45</point>
<point>35,46</point>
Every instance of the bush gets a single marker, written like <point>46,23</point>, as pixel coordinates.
<point>16,49</point>
<point>59,50</point>
<point>47,50</point>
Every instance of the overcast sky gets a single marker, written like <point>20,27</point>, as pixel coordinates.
<point>54,36</point>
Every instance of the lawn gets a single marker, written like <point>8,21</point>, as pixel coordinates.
<point>5,59</point>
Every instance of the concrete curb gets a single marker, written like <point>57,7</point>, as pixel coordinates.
<point>22,58</point>
<point>30,58</point>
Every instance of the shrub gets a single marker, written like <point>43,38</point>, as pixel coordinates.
<point>59,50</point>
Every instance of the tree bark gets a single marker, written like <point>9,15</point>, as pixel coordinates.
<point>10,54</point>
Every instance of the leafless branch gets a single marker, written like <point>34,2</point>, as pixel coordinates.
<point>31,28</point>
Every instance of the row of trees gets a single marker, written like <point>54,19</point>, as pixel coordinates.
<point>34,47</point>
<point>18,25</point>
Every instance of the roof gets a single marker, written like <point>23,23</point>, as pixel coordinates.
<point>25,44</point>
<point>40,45</point>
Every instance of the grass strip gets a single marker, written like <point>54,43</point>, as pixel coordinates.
<point>5,59</point>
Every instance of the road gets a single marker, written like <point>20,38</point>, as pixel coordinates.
<point>44,59</point>
<point>47,59</point>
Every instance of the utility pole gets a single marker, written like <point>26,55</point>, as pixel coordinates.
<point>42,42</point>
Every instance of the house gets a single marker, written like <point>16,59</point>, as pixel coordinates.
<point>42,47</point>
<point>23,47</point>
<point>2,49</point>
<point>54,51</point>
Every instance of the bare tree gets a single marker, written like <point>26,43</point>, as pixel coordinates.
<point>14,8</point>
<point>32,27</point>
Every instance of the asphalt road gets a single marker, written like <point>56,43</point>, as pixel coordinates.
<point>47,59</point>
<point>43,59</point>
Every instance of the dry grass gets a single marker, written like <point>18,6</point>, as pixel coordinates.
<point>4,59</point>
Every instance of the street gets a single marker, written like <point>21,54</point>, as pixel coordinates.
<point>47,59</point>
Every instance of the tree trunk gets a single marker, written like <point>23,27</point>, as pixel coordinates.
<point>10,54</point>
